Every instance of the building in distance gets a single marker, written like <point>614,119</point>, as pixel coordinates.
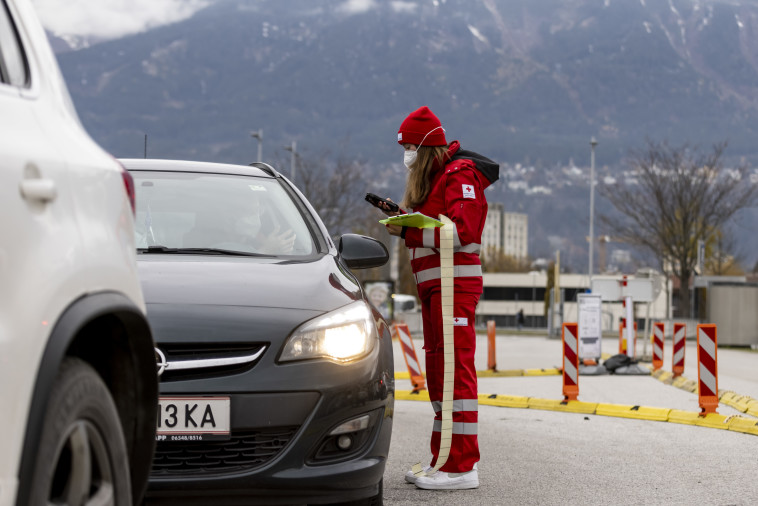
<point>505,233</point>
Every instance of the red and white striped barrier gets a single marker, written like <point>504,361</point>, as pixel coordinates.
<point>707,372</point>
<point>658,339</point>
<point>570,361</point>
<point>680,337</point>
<point>409,354</point>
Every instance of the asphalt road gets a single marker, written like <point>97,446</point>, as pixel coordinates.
<point>531,456</point>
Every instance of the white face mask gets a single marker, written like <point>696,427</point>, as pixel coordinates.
<point>409,158</point>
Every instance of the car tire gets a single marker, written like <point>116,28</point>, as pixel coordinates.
<point>82,456</point>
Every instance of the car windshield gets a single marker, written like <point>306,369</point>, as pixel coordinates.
<point>182,211</point>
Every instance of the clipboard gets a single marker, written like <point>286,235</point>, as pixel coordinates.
<point>414,220</point>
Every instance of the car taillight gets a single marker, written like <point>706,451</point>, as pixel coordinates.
<point>129,185</point>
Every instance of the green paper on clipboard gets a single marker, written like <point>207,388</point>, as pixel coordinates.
<point>414,220</point>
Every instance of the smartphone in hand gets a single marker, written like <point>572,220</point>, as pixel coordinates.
<point>375,200</point>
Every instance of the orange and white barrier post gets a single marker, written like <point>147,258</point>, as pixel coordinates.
<point>658,340</point>
<point>409,354</point>
<point>491,361</point>
<point>622,341</point>
<point>680,337</point>
<point>570,361</point>
<point>707,372</point>
<point>622,337</point>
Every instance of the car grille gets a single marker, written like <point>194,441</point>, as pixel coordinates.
<point>244,451</point>
<point>179,352</point>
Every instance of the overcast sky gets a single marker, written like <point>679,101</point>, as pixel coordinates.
<point>112,18</point>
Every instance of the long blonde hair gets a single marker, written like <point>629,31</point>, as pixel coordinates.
<point>419,179</point>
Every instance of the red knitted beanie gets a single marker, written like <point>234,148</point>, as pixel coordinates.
<point>420,126</point>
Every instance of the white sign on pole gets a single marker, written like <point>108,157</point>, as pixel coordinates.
<point>641,290</point>
<point>590,325</point>
<point>630,343</point>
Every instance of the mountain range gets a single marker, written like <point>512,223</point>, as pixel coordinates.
<point>525,82</point>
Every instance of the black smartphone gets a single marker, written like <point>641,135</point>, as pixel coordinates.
<point>375,199</point>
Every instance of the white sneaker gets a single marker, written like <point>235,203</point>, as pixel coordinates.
<point>411,475</point>
<point>449,481</point>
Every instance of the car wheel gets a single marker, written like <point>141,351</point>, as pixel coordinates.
<point>82,458</point>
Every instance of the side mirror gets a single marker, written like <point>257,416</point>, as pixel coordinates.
<point>361,252</point>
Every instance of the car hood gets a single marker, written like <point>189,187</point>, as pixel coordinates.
<point>318,285</point>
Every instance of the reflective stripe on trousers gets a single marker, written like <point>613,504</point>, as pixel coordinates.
<point>462,428</point>
<point>458,405</point>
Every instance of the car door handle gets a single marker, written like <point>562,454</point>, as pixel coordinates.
<point>39,189</point>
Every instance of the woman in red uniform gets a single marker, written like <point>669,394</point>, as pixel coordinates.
<point>446,180</point>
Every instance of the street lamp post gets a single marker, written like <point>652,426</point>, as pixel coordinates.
<point>593,143</point>
<point>534,297</point>
<point>258,135</point>
<point>293,150</point>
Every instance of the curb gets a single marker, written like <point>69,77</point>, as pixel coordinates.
<point>734,423</point>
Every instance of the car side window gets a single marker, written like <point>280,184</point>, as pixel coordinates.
<point>13,67</point>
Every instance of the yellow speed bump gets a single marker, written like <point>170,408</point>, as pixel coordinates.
<point>500,374</point>
<point>738,402</point>
<point>508,373</point>
<point>741,424</point>
<point>713,420</point>
<point>734,423</point>
<point>638,412</point>
<point>404,375</point>
<point>727,397</point>
<point>407,395</point>
<point>554,371</point>
<point>663,376</point>
<point>504,401</point>
<point>566,406</point>
<point>683,417</point>
<point>742,403</point>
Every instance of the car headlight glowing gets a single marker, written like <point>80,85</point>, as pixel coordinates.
<point>342,335</point>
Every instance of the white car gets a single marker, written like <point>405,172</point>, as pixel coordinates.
<point>78,385</point>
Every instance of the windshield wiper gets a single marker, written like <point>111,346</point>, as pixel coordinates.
<point>202,251</point>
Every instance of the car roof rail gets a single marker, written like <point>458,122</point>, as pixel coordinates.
<point>266,168</point>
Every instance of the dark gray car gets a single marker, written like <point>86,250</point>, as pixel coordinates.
<point>277,380</point>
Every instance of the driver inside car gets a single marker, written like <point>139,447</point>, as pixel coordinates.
<point>242,225</point>
<point>271,240</point>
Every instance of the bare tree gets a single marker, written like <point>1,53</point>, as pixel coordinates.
<point>721,255</point>
<point>335,188</point>
<point>674,197</point>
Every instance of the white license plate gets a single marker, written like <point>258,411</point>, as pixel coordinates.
<point>193,418</point>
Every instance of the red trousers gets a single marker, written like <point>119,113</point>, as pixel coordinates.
<point>464,449</point>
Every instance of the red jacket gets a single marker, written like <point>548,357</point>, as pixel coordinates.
<point>458,193</point>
